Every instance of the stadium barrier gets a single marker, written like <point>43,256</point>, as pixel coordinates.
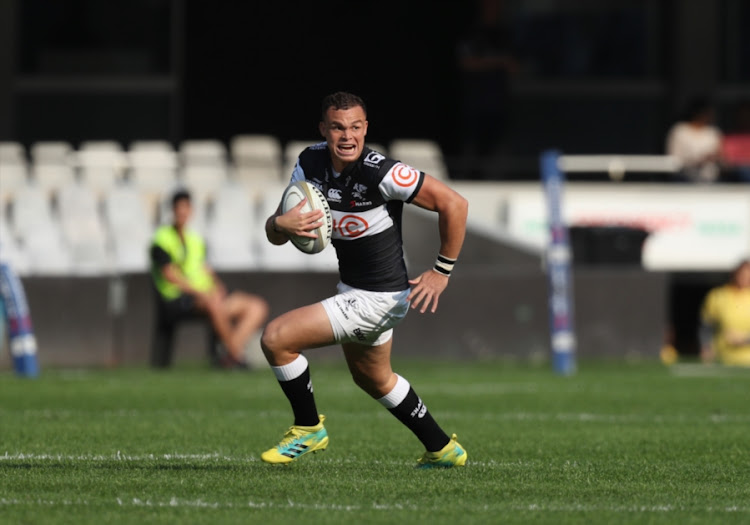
<point>495,306</point>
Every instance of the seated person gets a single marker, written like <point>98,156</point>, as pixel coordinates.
<point>696,142</point>
<point>187,286</point>
<point>725,320</point>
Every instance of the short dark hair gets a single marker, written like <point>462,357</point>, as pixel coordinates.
<point>341,100</point>
<point>179,195</point>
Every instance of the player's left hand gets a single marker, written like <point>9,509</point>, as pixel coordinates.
<point>426,290</point>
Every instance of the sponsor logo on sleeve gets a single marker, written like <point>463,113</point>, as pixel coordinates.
<point>404,175</point>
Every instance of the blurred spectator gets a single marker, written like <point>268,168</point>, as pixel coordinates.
<point>735,146</point>
<point>696,142</point>
<point>486,63</point>
<point>725,320</point>
<point>187,287</point>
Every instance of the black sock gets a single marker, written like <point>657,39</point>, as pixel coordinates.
<point>414,414</point>
<point>299,392</point>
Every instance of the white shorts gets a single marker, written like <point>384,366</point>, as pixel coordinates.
<point>368,318</point>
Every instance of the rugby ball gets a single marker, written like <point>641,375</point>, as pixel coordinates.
<point>296,192</point>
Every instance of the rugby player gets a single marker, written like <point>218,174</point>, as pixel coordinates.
<point>366,192</point>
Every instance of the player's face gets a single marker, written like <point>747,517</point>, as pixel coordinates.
<point>344,131</point>
<point>182,211</point>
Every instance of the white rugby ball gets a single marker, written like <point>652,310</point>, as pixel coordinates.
<point>294,193</point>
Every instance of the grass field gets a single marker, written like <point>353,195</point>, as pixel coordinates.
<point>616,443</point>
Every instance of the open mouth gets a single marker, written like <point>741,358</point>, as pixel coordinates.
<point>346,149</point>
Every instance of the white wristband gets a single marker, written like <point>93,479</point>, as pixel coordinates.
<point>444,265</point>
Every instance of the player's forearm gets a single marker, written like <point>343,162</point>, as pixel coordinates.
<point>273,233</point>
<point>452,225</point>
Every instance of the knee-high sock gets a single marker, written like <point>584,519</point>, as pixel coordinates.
<point>408,408</point>
<point>295,381</point>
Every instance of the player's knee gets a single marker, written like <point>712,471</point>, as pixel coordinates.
<point>271,340</point>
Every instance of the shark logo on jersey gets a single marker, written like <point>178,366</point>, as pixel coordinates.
<point>358,189</point>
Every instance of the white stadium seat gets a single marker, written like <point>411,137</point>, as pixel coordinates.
<point>83,229</point>
<point>204,179</point>
<point>203,152</point>
<point>150,145</point>
<point>51,152</point>
<point>129,226</point>
<point>233,230</point>
<point>291,151</point>
<point>257,158</point>
<point>425,155</point>
<point>101,169</point>
<point>13,169</point>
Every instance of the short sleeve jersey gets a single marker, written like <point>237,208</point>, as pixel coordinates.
<point>366,201</point>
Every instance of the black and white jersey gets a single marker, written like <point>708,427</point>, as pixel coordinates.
<point>366,202</point>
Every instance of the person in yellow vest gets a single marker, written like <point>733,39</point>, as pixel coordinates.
<point>188,286</point>
<point>725,320</point>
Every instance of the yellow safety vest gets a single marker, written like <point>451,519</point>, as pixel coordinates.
<point>189,257</point>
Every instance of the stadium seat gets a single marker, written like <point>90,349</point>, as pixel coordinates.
<point>203,152</point>
<point>380,148</point>
<point>13,169</point>
<point>204,179</point>
<point>100,145</point>
<point>129,227</point>
<point>291,151</point>
<point>12,252</point>
<point>52,177</point>
<point>37,231</point>
<point>52,165</point>
<point>101,169</point>
<point>83,229</point>
<point>233,230</point>
<point>425,155</point>
<point>51,152</point>
<point>31,212</point>
<point>164,332</point>
<point>150,145</point>
<point>257,159</point>
<point>153,170</point>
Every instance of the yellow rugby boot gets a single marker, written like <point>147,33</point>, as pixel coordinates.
<point>298,441</point>
<point>451,455</point>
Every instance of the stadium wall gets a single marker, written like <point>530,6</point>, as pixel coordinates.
<point>486,313</point>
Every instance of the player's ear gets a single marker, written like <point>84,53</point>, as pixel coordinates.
<point>322,128</point>
<point>366,123</point>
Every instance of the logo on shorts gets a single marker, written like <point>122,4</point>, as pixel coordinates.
<point>360,335</point>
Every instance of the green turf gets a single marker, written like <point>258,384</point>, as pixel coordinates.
<point>616,443</point>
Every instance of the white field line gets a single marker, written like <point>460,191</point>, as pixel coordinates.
<point>503,467</point>
<point>468,414</point>
<point>175,502</point>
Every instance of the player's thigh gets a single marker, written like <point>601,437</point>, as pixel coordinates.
<point>370,367</point>
<point>299,329</point>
